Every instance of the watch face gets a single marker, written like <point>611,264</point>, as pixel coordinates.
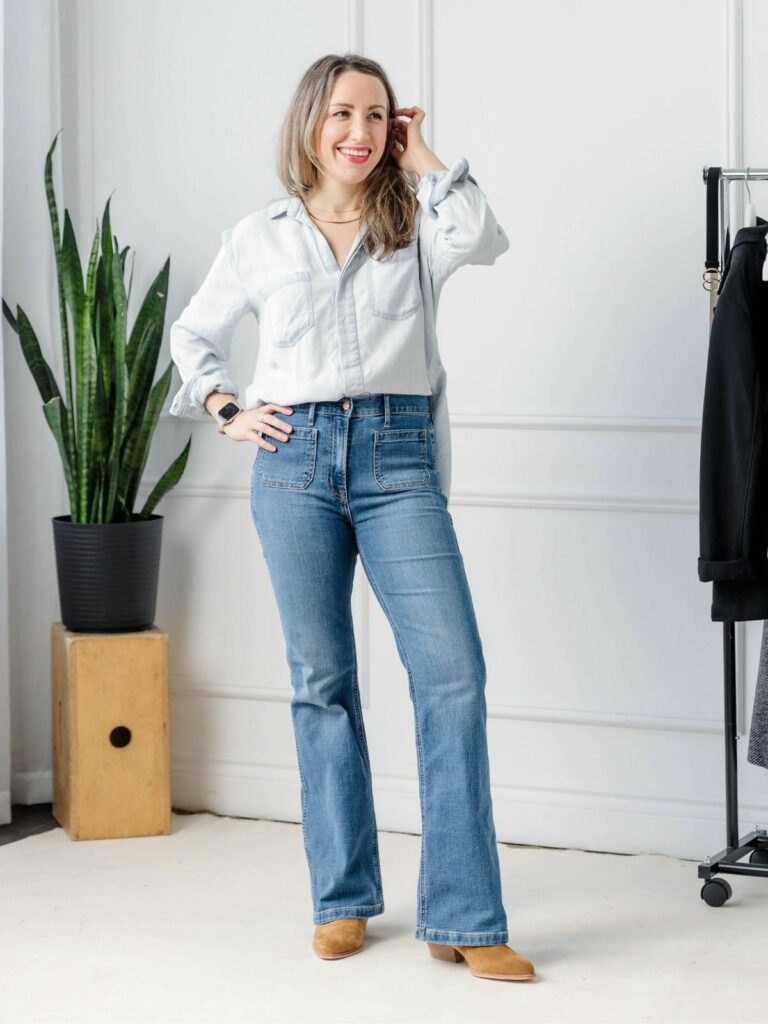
<point>227,411</point>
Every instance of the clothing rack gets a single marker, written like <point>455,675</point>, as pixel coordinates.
<point>716,891</point>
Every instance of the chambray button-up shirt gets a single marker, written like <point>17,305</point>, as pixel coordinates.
<point>328,332</point>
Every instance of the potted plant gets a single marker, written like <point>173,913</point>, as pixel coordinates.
<point>107,555</point>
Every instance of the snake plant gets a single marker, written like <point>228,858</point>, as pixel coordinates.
<point>104,430</point>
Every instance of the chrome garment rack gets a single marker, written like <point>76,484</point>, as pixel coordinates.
<point>716,891</point>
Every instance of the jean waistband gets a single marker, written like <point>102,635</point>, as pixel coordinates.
<point>385,405</point>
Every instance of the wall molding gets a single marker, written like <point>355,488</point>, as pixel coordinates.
<point>546,421</point>
<point>355,25</point>
<point>425,37</point>
<point>537,421</point>
<point>37,787</point>
<point>194,763</point>
<point>477,499</point>
<point>193,686</point>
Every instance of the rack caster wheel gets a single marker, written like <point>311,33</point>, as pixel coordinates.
<point>758,857</point>
<point>716,892</point>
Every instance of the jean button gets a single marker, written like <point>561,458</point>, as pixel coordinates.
<point>345,405</point>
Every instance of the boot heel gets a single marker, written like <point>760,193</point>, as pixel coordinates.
<point>440,951</point>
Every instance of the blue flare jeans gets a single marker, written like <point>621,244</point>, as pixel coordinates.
<point>358,477</point>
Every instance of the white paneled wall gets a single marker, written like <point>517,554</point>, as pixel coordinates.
<point>575,482</point>
<point>33,473</point>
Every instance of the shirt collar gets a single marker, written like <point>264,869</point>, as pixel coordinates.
<point>290,206</point>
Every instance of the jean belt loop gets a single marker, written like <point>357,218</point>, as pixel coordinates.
<point>386,410</point>
<point>311,417</point>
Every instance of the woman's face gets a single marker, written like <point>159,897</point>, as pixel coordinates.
<point>356,118</point>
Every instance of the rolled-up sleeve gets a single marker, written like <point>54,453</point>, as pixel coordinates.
<point>200,339</point>
<point>458,224</point>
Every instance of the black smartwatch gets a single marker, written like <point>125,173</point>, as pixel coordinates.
<point>226,414</point>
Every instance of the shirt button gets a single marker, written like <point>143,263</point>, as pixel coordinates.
<point>345,405</point>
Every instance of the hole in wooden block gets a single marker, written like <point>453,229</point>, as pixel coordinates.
<point>120,736</point>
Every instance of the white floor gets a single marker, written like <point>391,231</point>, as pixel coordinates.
<point>213,924</point>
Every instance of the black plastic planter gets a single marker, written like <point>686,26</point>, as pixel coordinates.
<point>108,573</point>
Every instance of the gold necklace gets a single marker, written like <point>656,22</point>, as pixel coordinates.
<point>326,221</point>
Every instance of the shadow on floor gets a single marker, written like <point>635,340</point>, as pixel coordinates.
<point>27,820</point>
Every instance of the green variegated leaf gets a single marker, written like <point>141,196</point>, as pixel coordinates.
<point>151,316</point>
<point>144,349</point>
<point>50,194</point>
<point>130,279</point>
<point>69,412</point>
<point>35,360</point>
<point>106,310</point>
<point>8,314</point>
<point>41,371</point>
<point>54,415</point>
<point>120,377</point>
<point>168,480</point>
<point>102,420</point>
<point>135,456</point>
<point>85,364</point>
<point>71,270</point>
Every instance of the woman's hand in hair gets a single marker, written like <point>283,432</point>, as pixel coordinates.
<point>414,155</point>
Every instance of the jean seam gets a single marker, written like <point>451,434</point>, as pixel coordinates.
<point>367,760</point>
<point>422,787</point>
<point>450,931</point>
<point>442,935</point>
<point>370,909</point>
<point>433,448</point>
<point>304,804</point>
<point>253,505</point>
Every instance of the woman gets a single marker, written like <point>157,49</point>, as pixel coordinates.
<point>353,457</point>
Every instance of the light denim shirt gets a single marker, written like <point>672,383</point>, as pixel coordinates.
<point>325,332</point>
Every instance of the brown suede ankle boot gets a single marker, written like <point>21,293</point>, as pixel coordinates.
<point>340,937</point>
<point>498,961</point>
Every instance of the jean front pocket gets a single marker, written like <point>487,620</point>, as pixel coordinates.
<point>400,458</point>
<point>290,309</point>
<point>293,464</point>
<point>394,288</point>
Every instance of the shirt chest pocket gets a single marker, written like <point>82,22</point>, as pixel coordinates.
<point>289,308</point>
<point>394,289</point>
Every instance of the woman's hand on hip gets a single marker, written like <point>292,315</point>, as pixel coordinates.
<point>250,424</point>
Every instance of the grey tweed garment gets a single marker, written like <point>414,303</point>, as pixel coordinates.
<point>757,752</point>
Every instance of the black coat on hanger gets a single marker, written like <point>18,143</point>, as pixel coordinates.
<point>733,478</point>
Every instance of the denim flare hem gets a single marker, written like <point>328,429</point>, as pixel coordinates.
<point>336,912</point>
<point>463,938</point>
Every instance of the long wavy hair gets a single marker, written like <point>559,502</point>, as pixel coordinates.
<point>388,197</point>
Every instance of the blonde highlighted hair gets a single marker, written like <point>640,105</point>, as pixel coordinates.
<point>388,197</point>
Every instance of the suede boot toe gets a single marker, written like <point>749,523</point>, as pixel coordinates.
<point>499,962</point>
<point>341,937</point>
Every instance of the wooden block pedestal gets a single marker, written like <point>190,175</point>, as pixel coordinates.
<point>111,749</point>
